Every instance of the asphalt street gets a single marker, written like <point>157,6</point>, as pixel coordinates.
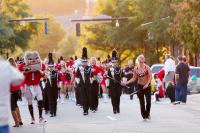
<point>165,118</point>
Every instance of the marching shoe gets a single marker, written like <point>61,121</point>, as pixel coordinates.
<point>32,121</point>
<point>42,120</point>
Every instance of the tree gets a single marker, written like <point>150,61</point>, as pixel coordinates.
<point>107,37</point>
<point>16,9</point>
<point>68,46</point>
<point>131,35</point>
<point>47,43</point>
<point>6,33</point>
<point>157,15</point>
<point>185,27</point>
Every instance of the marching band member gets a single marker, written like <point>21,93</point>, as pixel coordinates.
<point>83,76</point>
<point>115,75</point>
<point>52,89</point>
<point>94,89</point>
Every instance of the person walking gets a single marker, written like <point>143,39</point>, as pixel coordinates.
<point>182,76</point>
<point>83,76</point>
<point>129,74</point>
<point>94,89</point>
<point>115,75</point>
<point>9,76</point>
<point>142,74</point>
<point>52,90</point>
<point>15,91</point>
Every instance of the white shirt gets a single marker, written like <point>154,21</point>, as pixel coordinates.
<point>169,66</point>
<point>8,75</point>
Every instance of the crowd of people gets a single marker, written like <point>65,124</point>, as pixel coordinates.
<point>49,82</point>
<point>172,79</point>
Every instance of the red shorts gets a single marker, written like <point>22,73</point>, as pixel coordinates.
<point>103,82</point>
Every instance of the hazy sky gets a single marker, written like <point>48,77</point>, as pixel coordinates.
<point>57,7</point>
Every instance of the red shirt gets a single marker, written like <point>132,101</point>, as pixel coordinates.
<point>160,91</point>
<point>33,78</point>
<point>21,67</point>
<point>16,87</point>
<point>161,74</point>
<point>95,70</point>
<point>58,66</point>
<point>43,67</point>
<point>62,76</point>
<point>69,63</point>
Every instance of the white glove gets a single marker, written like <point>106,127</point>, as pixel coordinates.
<point>91,80</point>
<point>77,80</point>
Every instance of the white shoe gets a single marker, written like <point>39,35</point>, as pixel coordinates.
<point>182,103</point>
<point>58,100</point>
<point>105,101</point>
<point>149,118</point>
<point>144,120</point>
<point>62,102</point>
<point>32,121</point>
<point>42,120</point>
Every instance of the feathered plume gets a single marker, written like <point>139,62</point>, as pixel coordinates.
<point>84,54</point>
<point>114,54</point>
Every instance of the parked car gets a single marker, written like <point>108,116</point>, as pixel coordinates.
<point>194,80</point>
<point>156,68</point>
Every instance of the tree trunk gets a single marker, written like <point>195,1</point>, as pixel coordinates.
<point>157,52</point>
<point>191,60</point>
<point>147,53</point>
<point>196,59</point>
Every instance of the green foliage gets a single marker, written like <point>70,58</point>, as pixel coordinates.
<point>153,26</point>
<point>130,35</point>
<point>186,23</point>
<point>47,43</point>
<point>17,9</point>
<point>6,33</point>
<point>68,46</point>
<point>106,36</point>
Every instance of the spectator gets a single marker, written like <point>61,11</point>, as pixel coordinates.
<point>185,60</point>
<point>129,74</point>
<point>15,91</point>
<point>182,75</point>
<point>170,91</point>
<point>9,76</point>
<point>159,91</point>
<point>169,68</point>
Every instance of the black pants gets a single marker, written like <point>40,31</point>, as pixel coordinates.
<point>170,93</point>
<point>85,93</point>
<point>45,99</point>
<point>78,94</point>
<point>15,95</point>
<point>100,89</point>
<point>115,93</point>
<point>53,96</point>
<point>94,92</point>
<point>144,97</point>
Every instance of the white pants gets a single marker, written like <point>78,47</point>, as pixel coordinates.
<point>32,92</point>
